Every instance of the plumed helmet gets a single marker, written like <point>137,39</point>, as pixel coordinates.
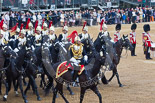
<point>5,26</point>
<point>77,38</point>
<point>134,26</point>
<point>44,25</point>
<point>104,26</point>
<point>146,27</point>
<point>23,31</point>
<point>38,28</point>
<point>65,28</point>
<point>52,28</point>
<point>18,30</point>
<point>118,27</point>
<point>85,28</point>
<point>30,24</point>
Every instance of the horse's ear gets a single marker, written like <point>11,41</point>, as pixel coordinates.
<point>123,36</point>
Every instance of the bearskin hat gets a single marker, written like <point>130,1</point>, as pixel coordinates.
<point>146,27</point>
<point>134,26</point>
<point>118,27</point>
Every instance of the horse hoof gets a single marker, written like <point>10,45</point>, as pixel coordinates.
<point>57,96</point>
<point>72,93</point>
<point>39,99</point>
<point>4,99</point>
<point>121,85</point>
<point>25,101</point>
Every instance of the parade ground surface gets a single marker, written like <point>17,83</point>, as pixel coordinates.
<point>136,73</point>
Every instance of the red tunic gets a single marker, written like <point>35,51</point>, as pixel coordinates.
<point>147,39</point>
<point>133,38</point>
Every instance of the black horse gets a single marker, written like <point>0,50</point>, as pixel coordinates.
<point>96,63</point>
<point>122,43</point>
<point>55,57</point>
<point>31,70</point>
<point>5,53</point>
<point>15,71</point>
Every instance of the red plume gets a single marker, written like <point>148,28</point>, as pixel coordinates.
<point>72,36</point>
<point>21,27</point>
<point>1,24</point>
<point>43,23</point>
<point>27,25</point>
<point>36,24</point>
<point>84,25</point>
<point>101,24</point>
<point>50,24</point>
<point>14,28</point>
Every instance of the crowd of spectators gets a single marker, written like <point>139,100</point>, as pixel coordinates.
<point>76,18</point>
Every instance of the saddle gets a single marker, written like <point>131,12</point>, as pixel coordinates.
<point>63,68</point>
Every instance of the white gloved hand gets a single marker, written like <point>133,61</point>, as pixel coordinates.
<point>15,50</point>
<point>85,58</point>
<point>112,41</point>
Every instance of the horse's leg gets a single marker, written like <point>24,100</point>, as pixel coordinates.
<point>55,93</point>
<point>82,93</point>
<point>0,85</point>
<point>49,85</point>
<point>104,80</point>
<point>117,75</point>
<point>114,73</point>
<point>21,89</point>
<point>27,88</point>
<point>24,81</point>
<point>95,90</point>
<point>15,88</point>
<point>70,91</point>
<point>8,86</point>
<point>43,80</point>
<point>34,85</point>
<point>60,90</point>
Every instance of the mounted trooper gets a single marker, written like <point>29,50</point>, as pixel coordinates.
<point>78,56</point>
<point>38,37</point>
<point>133,38</point>
<point>63,37</point>
<point>45,29</point>
<point>103,29</point>
<point>30,31</point>
<point>6,33</point>
<point>85,34</point>
<point>21,40</point>
<point>14,38</point>
<point>117,35</point>
<point>2,39</point>
<point>147,41</point>
<point>52,36</point>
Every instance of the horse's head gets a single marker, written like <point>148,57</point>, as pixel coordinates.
<point>57,46</point>
<point>126,43</point>
<point>30,54</point>
<point>45,39</point>
<point>8,52</point>
<point>102,55</point>
<point>102,41</point>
